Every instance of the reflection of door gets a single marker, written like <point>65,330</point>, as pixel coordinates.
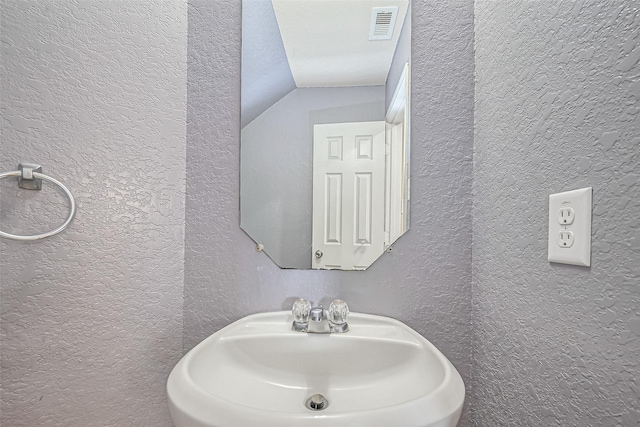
<point>348,195</point>
<point>397,208</point>
<point>395,183</point>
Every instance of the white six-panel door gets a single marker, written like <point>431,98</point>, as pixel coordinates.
<point>348,195</point>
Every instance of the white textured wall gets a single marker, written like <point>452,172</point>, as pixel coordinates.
<point>425,281</point>
<point>91,319</point>
<point>556,108</point>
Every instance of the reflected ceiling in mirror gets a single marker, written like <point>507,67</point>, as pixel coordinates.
<point>325,129</point>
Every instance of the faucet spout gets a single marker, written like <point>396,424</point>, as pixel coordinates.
<point>318,321</point>
<point>316,314</point>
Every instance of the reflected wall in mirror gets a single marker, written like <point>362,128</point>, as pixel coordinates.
<point>324,167</point>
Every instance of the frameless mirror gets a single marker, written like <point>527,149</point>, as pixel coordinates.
<point>324,168</point>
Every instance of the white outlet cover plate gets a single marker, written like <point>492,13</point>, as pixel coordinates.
<point>580,252</point>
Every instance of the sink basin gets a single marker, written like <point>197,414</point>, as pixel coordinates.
<point>257,372</point>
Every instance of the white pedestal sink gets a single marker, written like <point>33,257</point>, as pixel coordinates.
<point>257,372</point>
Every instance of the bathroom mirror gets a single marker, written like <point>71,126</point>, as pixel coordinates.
<point>324,167</point>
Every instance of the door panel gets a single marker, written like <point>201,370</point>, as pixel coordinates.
<point>348,195</point>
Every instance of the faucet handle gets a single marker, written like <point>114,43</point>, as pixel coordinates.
<point>300,310</point>
<point>337,314</point>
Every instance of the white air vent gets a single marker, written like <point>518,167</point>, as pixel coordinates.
<point>383,20</point>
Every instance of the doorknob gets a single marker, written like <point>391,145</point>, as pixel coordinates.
<point>319,254</point>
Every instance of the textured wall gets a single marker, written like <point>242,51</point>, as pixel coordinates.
<point>276,158</point>
<point>91,319</point>
<point>557,88</point>
<point>425,281</point>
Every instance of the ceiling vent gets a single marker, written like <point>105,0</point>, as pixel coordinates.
<point>383,20</point>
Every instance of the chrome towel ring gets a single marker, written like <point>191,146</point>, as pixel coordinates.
<point>30,177</point>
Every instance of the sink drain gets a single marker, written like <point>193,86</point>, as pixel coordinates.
<point>317,402</point>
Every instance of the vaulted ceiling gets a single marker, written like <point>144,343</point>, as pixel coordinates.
<point>311,43</point>
<point>328,44</point>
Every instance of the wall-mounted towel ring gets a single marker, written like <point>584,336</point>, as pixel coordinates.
<point>30,177</point>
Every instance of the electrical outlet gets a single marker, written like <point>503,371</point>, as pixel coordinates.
<point>565,239</point>
<point>566,215</point>
<point>570,227</point>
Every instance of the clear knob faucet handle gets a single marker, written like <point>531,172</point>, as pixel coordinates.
<point>338,312</point>
<point>300,310</point>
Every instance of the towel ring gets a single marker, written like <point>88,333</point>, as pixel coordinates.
<point>30,179</point>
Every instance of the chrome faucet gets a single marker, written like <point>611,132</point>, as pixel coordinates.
<point>318,320</point>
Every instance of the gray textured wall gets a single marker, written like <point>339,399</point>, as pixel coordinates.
<point>275,165</point>
<point>425,281</point>
<point>91,319</point>
<point>557,88</point>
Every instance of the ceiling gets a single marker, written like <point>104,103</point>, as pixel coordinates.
<point>327,46</point>
<point>327,41</point>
